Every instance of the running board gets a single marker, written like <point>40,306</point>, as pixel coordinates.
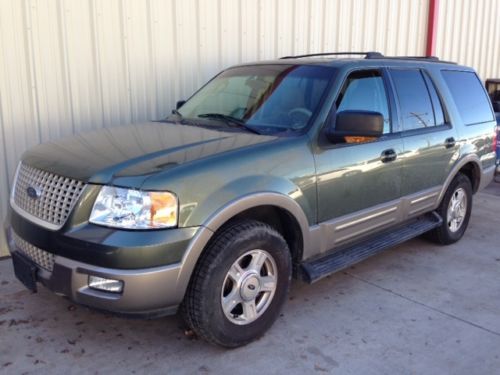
<point>315,270</point>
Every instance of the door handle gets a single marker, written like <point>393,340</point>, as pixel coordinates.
<point>449,142</point>
<point>388,156</point>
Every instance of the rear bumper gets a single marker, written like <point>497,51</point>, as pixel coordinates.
<point>487,176</point>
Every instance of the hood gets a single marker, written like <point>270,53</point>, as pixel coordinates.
<point>134,150</point>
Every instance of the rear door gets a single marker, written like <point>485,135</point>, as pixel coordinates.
<point>429,141</point>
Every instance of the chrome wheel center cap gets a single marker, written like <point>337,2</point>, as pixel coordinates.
<point>250,288</point>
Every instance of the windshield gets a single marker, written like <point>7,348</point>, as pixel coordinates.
<point>266,98</point>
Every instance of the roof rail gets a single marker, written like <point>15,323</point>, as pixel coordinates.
<point>432,58</point>
<point>417,58</point>
<point>372,55</point>
<point>368,55</point>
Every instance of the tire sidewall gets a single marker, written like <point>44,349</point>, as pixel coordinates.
<point>459,182</point>
<point>222,328</point>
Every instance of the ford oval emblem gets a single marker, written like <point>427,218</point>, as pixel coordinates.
<point>33,192</point>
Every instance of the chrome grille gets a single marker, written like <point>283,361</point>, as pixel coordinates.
<point>41,257</point>
<point>56,195</point>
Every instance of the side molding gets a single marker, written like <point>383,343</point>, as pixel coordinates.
<point>336,233</point>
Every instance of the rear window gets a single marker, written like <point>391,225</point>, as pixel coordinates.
<point>469,96</point>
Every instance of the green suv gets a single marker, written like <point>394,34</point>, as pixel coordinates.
<point>299,167</point>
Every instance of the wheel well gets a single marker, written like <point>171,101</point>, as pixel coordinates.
<point>471,170</point>
<point>282,221</point>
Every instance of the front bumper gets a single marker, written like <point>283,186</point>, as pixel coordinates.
<point>147,292</point>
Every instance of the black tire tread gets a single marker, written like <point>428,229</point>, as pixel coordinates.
<point>191,308</point>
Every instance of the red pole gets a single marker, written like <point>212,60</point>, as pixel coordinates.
<point>432,24</point>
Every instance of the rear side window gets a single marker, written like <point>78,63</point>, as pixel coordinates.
<point>414,99</point>
<point>469,96</point>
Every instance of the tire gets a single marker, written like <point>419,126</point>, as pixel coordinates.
<point>218,281</point>
<point>451,230</point>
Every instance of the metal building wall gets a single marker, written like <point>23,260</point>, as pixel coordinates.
<point>468,33</point>
<point>68,66</point>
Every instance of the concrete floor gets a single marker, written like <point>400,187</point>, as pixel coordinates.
<point>415,309</point>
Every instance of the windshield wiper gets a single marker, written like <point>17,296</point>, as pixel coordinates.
<point>229,120</point>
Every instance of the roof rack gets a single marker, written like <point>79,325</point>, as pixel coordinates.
<point>418,58</point>
<point>368,55</point>
<point>372,55</point>
<point>431,58</point>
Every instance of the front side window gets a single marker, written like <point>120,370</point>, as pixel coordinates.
<point>469,96</point>
<point>414,100</point>
<point>268,98</point>
<point>365,91</point>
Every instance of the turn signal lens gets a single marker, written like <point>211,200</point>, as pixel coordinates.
<point>163,209</point>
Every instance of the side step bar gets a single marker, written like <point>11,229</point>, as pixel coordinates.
<point>317,269</point>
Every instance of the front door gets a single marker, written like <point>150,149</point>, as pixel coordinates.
<point>359,180</point>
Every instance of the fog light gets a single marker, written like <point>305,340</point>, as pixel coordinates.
<point>106,285</point>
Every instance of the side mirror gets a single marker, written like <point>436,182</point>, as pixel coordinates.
<point>355,124</point>
<point>179,104</point>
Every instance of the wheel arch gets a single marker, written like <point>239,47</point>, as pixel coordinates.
<point>258,206</point>
<point>290,218</point>
<point>470,166</point>
<point>473,172</point>
<point>279,219</point>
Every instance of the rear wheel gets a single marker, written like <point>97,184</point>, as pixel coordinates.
<point>455,209</point>
<point>239,285</point>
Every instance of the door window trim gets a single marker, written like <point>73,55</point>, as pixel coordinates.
<point>430,81</point>
<point>427,78</point>
<point>391,105</point>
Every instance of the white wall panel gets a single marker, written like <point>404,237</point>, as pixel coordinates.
<point>468,33</point>
<point>68,66</point>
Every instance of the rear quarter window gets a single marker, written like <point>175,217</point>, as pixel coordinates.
<point>469,96</point>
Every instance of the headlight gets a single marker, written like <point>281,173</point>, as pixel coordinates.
<point>134,209</point>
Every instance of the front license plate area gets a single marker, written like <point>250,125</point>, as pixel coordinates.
<point>25,271</point>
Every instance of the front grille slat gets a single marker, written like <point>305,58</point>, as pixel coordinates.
<point>42,258</point>
<point>57,197</point>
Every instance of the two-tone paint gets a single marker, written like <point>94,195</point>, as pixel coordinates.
<point>326,195</point>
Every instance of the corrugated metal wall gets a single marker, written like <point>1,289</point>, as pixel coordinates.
<point>469,33</point>
<point>67,66</point>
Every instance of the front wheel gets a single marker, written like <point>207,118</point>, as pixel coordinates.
<point>455,209</point>
<point>239,285</point>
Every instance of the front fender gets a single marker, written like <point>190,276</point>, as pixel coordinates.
<point>245,193</point>
<point>264,198</point>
